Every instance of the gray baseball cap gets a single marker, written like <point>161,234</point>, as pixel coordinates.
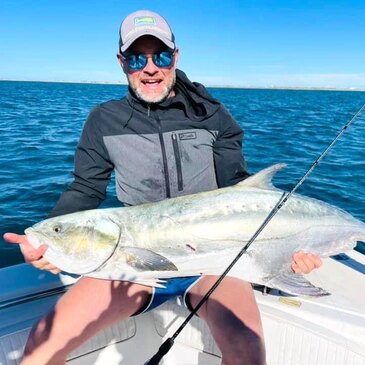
<point>144,22</point>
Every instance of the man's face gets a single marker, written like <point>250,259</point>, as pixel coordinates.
<point>151,84</point>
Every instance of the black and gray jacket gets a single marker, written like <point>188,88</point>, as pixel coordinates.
<point>186,144</point>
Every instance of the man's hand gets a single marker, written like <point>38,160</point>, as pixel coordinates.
<point>31,255</point>
<point>305,262</point>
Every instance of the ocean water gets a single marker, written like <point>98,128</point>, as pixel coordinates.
<point>40,124</point>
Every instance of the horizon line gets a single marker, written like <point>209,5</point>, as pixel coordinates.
<point>271,87</point>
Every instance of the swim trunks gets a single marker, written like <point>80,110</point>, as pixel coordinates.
<point>173,288</point>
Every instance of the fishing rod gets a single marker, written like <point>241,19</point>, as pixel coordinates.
<point>169,342</point>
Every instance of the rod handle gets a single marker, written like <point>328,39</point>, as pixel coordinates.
<point>162,351</point>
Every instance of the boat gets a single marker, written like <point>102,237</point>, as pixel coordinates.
<point>328,330</point>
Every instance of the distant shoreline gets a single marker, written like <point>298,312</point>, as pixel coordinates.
<point>303,88</point>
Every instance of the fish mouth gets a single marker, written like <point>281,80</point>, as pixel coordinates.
<point>28,230</point>
<point>34,238</point>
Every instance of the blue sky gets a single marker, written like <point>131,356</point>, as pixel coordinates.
<point>237,43</point>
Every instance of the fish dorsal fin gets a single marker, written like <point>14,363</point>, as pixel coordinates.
<point>263,179</point>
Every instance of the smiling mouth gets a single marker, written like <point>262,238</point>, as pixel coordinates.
<point>151,82</point>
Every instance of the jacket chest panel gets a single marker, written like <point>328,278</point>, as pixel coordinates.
<point>154,166</point>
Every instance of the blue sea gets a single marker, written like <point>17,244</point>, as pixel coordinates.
<point>40,124</point>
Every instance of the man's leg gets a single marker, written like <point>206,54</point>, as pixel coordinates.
<point>233,318</point>
<point>88,307</point>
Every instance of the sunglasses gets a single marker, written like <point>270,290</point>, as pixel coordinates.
<point>138,62</point>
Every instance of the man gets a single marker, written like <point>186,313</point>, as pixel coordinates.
<point>167,137</point>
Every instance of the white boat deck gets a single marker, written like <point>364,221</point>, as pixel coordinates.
<point>298,331</point>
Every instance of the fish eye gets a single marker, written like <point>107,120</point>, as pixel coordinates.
<point>57,228</point>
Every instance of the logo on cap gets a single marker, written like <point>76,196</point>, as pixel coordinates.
<point>144,20</point>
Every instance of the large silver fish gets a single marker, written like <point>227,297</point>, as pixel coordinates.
<point>200,234</point>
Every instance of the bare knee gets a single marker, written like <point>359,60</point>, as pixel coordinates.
<point>238,343</point>
<point>38,349</point>
<point>234,321</point>
<point>87,308</point>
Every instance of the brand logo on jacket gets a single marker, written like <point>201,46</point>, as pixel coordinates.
<point>187,135</point>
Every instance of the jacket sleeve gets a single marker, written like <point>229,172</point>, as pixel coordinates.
<point>230,165</point>
<point>91,172</point>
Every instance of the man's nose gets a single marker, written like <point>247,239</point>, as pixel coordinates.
<point>150,68</point>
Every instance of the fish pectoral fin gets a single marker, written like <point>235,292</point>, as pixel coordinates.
<point>142,259</point>
<point>296,284</point>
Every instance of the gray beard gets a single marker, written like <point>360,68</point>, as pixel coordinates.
<point>156,99</point>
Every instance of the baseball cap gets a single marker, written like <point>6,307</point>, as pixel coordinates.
<point>144,22</point>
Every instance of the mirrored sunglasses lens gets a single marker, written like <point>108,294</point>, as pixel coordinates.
<point>163,59</point>
<point>136,62</point>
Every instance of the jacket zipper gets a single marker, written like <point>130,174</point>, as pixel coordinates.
<point>180,185</point>
<point>164,156</point>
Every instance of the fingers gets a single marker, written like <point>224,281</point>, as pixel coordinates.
<point>31,254</point>
<point>15,238</point>
<point>44,264</point>
<point>41,263</point>
<point>305,262</point>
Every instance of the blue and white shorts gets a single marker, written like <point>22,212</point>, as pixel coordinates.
<point>173,288</point>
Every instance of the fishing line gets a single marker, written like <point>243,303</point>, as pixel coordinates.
<point>169,342</point>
